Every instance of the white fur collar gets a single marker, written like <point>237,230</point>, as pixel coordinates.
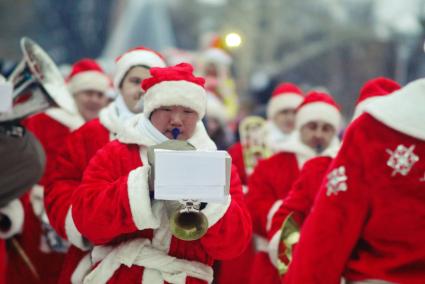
<point>305,153</point>
<point>70,120</point>
<point>404,110</point>
<point>275,137</point>
<point>108,117</point>
<point>132,134</point>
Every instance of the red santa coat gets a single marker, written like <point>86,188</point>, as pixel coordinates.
<point>299,201</point>
<point>2,262</point>
<point>236,152</point>
<point>133,243</point>
<point>51,129</point>
<point>269,184</point>
<point>237,270</point>
<point>80,147</point>
<point>368,221</point>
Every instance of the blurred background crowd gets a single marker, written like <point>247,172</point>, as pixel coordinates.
<point>244,48</point>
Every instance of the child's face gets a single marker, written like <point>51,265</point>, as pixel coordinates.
<point>166,118</point>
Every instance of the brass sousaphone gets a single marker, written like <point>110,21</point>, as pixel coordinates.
<point>37,84</point>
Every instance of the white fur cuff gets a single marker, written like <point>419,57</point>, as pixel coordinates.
<point>271,213</point>
<point>72,233</point>
<point>215,211</point>
<point>143,214</point>
<point>273,247</point>
<point>15,212</point>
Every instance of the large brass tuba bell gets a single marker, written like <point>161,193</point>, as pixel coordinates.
<point>187,222</point>
<point>37,84</point>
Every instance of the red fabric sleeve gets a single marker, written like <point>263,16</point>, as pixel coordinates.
<point>260,197</point>
<point>100,206</point>
<point>70,165</point>
<point>229,237</point>
<point>303,193</point>
<point>236,152</point>
<point>335,223</point>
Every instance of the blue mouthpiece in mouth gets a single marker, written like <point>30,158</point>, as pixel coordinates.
<point>175,132</point>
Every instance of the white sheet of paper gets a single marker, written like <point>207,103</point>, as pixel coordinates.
<point>197,175</point>
<point>6,91</point>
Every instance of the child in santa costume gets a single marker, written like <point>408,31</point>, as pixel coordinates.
<point>317,122</point>
<point>367,223</point>
<point>131,69</point>
<point>300,199</point>
<point>114,210</point>
<point>44,249</point>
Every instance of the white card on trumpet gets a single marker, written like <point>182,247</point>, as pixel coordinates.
<point>6,91</point>
<point>200,175</point>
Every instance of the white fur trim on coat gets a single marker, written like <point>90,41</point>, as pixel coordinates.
<point>15,212</point>
<point>131,134</point>
<point>282,102</point>
<point>145,216</point>
<point>70,120</point>
<point>134,58</point>
<point>175,93</point>
<point>303,152</point>
<point>83,268</point>
<point>108,117</point>
<point>73,235</point>
<point>272,212</point>
<point>403,110</point>
<point>215,211</point>
<point>360,108</point>
<point>273,247</point>
<point>140,252</point>
<point>89,80</point>
<point>318,111</point>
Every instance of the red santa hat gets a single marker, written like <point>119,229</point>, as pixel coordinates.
<point>175,85</point>
<point>134,57</point>
<point>86,74</point>
<point>318,106</point>
<point>285,96</point>
<point>373,89</point>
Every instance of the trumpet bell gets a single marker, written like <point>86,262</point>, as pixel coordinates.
<point>188,226</point>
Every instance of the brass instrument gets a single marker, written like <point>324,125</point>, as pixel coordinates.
<point>37,84</point>
<point>253,130</point>
<point>290,235</point>
<point>187,222</point>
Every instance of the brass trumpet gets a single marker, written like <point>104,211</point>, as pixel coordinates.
<point>290,235</point>
<point>252,130</point>
<point>187,222</point>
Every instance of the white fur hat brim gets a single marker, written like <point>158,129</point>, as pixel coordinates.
<point>175,93</point>
<point>89,80</point>
<point>135,58</point>
<point>318,111</point>
<point>282,102</point>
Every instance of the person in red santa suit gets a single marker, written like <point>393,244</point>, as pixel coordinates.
<point>44,249</point>
<point>367,222</point>
<point>317,122</point>
<point>297,205</point>
<point>131,69</point>
<point>113,207</point>
<point>281,108</point>
<point>281,122</point>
